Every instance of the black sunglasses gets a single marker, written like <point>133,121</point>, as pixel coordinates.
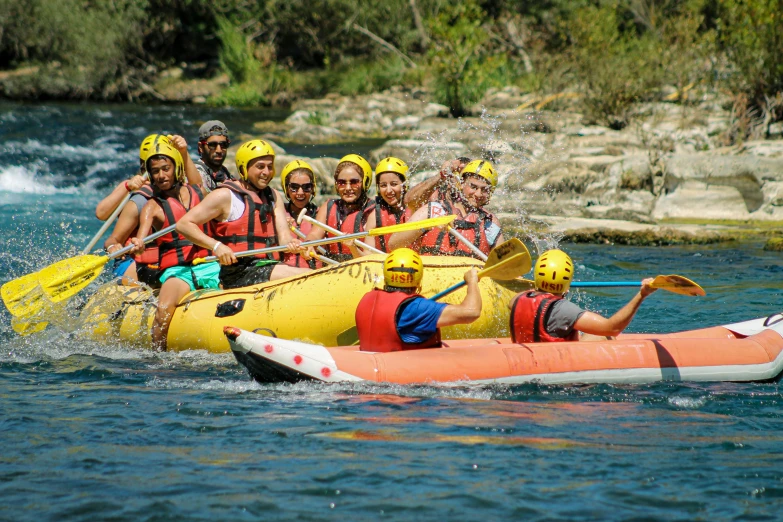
<point>214,144</point>
<point>306,187</point>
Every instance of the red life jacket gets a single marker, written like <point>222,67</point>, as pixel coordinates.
<point>336,217</point>
<point>255,228</point>
<point>150,255</point>
<point>376,323</point>
<point>297,260</point>
<point>174,249</point>
<point>385,216</point>
<point>529,314</point>
<point>473,227</point>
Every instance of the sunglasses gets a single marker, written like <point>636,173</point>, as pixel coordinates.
<point>344,182</point>
<point>215,144</point>
<point>305,187</point>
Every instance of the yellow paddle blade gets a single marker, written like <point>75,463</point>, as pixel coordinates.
<point>508,269</point>
<point>508,249</point>
<point>27,295</point>
<point>678,285</point>
<point>413,225</point>
<point>22,327</point>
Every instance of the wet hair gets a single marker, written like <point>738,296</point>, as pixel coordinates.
<point>157,157</point>
<point>464,160</point>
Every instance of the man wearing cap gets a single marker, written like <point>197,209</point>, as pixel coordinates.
<point>213,143</point>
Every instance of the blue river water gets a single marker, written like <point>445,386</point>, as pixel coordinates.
<point>93,431</point>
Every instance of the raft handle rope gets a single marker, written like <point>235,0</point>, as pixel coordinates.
<point>769,322</point>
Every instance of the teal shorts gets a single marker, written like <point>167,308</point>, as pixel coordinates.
<point>206,275</point>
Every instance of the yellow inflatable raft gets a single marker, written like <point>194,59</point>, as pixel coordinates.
<point>316,308</point>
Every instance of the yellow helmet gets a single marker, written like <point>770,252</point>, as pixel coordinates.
<point>292,166</point>
<point>482,169</point>
<point>391,164</point>
<point>403,269</point>
<point>161,146</point>
<point>554,271</point>
<point>146,145</point>
<point>363,165</point>
<point>249,151</point>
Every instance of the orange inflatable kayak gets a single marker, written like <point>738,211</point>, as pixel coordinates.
<point>747,351</point>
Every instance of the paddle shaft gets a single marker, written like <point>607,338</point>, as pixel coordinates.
<point>283,248</point>
<point>598,284</point>
<point>336,232</point>
<point>107,224</point>
<point>147,239</point>
<point>319,257</point>
<point>473,248</point>
<point>109,221</point>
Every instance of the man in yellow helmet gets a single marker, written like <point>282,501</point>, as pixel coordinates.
<point>398,318</point>
<point>544,315</point>
<point>478,226</point>
<point>244,215</point>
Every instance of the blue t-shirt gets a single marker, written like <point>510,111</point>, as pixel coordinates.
<point>418,320</point>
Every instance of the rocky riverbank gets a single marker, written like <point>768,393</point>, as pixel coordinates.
<point>665,179</point>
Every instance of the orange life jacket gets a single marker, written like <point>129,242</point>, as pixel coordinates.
<point>385,216</point>
<point>473,227</point>
<point>174,249</point>
<point>529,314</point>
<point>376,322</point>
<point>348,223</point>
<point>297,260</point>
<point>255,228</point>
<point>150,255</point>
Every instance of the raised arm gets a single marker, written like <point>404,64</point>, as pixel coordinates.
<point>109,203</point>
<point>191,172</point>
<point>419,194</point>
<point>596,324</point>
<point>469,309</point>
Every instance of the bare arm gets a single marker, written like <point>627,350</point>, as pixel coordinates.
<point>110,203</point>
<point>128,220</point>
<point>418,196</point>
<point>317,232</point>
<point>596,324</point>
<point>191,172</point>
<point>284,234</point>
<point>403,239</point>
<point>470,308</point>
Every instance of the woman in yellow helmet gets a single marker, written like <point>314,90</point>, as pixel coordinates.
<point>475,224</point>
<point>391,181</point>
<point>544,315</point>
<point>398,318</point>
<point>352,179</point>
<point>298,181</point>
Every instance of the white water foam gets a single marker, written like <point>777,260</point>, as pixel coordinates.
<point>23,180</point>
<point>100,149</point>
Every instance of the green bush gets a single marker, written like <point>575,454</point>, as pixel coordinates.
<point>750,33</point>
<point>80,48</point>
<point>235,55</point>
<point>614,68</point>
<point>463,64</point>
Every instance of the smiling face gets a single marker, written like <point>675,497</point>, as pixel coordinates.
<point>349,184</point>
<point>300,187</point>
<point>477,191</point>
<point>390,188</point>
<point>162,172</point>
<point>260,171</point>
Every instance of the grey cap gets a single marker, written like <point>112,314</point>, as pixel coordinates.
<point>212,128</point>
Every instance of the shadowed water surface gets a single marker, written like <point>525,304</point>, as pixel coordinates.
<point>96,431</point>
